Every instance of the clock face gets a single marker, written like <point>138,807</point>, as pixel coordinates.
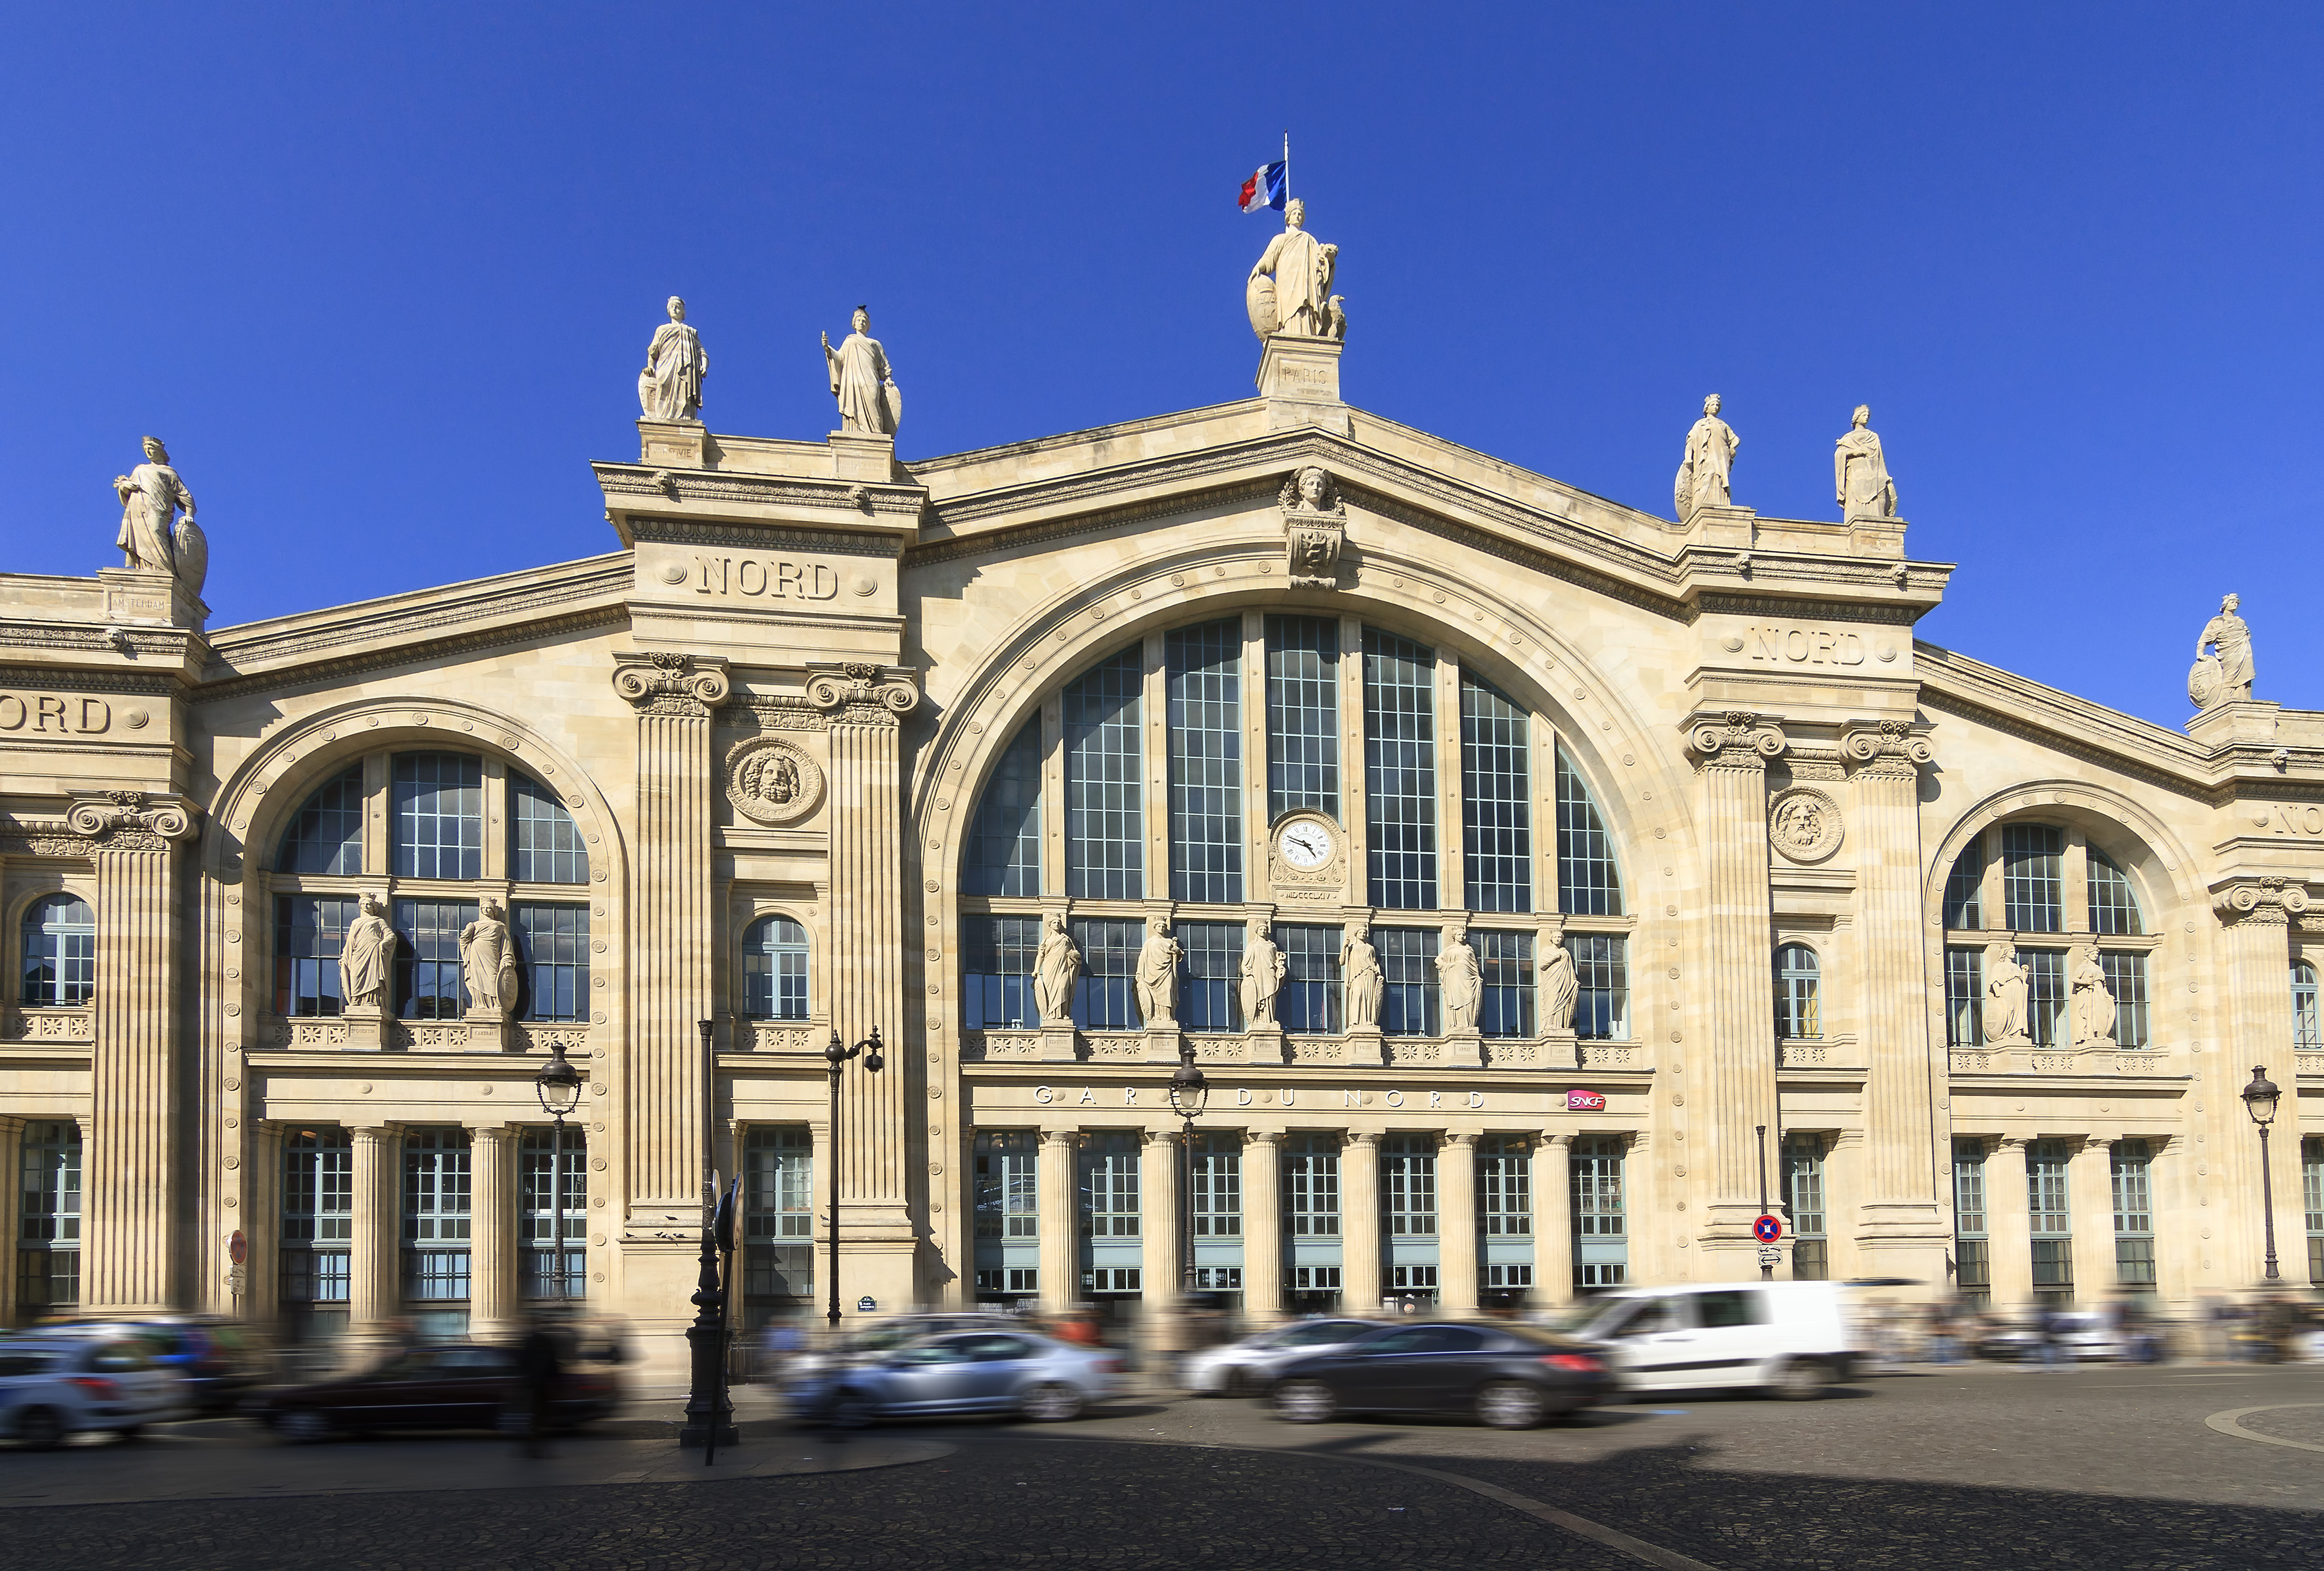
<point>1307,845</point>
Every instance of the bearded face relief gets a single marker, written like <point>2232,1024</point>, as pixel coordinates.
<point>773,782</point>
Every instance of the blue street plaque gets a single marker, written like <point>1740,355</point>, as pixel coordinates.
<point>866,1303</point>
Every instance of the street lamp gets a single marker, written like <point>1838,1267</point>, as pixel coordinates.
<point>2260,1096</point>
<point>558,1086</point>
<point>709,1416</point>
<point>1188,1094</point>
<point>836,1056</point>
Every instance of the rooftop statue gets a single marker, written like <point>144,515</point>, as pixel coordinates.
<point>153,538</point>
<point>670,386</point>
<point>2225,678</point>
<point>1703,472</point>
<point>1860,471</point>
<point>863,382</point>
<point>1289,291</point>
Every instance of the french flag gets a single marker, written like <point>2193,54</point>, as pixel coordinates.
<point>1265,189</point>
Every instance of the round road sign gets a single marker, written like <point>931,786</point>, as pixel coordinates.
<point>1768,1229</point>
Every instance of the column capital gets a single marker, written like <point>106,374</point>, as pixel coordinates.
<point>662,683</point>
<point>500,1131</point>
<point>127,820</point>
<point>2269,900</point>
<point>1262,1136</point>
<point>1736,739</point>
<point>1369,1138</point>
<point>1885,748</point>
<point>1061,1137</point>
<point>371,1133</point>
<point>1154,1137</point>
<point>1563,1140</point>
<point>862,693</point>
<point>1460,1137</point>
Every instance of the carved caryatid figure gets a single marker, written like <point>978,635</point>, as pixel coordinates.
<point>1459,985</point>
<point>365,956</point>
<point>488,962</point>
<point>153,538</point>
<point>1300,305</point>
<point>1263,967</point>
<point>2004,997</point>
<point>2094,1005</point>
<point>1703,475</point>
<point>2225,676</point>
<point>1158,975</point>
<point>670,386</point>
<point>1056,969</point>
<point>1359,970</point>
<point>862,381</point>
<point>1860,471</point>
<point>1560,987</point>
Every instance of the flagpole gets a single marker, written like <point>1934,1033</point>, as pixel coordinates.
<point>1286,167</point>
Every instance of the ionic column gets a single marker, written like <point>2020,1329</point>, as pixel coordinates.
<point>1900,1228</point>
<point>1731,755</point>
<point>1162,1191</point>
<point>2008,1228</point>
<point>1456,1222</point>
<point>492,1231</point>
<point>375,1233</point>
<point>128,1175</point>
<point>2257,915</point>
<point>1060,1227</point>
<point>1360,1290</point>
<point>673,696</point>
<point>11,1158</point>
<point>1552,1220</point>
<point>2090,1191</point>
<point>1262,1225</point>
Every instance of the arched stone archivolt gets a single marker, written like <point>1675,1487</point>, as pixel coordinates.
<point>2125,830</point>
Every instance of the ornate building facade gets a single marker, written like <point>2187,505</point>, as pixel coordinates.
<point>1537,881</point>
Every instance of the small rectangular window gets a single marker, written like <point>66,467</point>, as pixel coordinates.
<point>1311,1186</point>
<point>2032,878</point>
<point>779,1213</point>
<point>997,955</point>
<point>48,1216</point>
<point>1964,998</point>
<point>553,1214</point>
<point>1217,1182</point>
<point>427,976</point>
<point>439,815</point>
<point>1505,966</point>
<point>436,1215</point>
<point>1601,1008</point>
<point>1008,1197</point>
<point>2113,905</point>
<point>1310,995</point>
<point>1505,1186</point>
<point>1596,1178</point>
<point>1106,998</point>
<point>2047,997</point>
<point>553,955</point>
<point>310,932</point>
<point>544,842</point>
<point>1408,985</point>
<point>1408,1175</point>
<point>2130,1167</point>
<point>2126,979</point>
<point>1211,992</point>
<point>1109,1186</point>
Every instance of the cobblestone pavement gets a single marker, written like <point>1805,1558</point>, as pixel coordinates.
<point>2102,1468</point>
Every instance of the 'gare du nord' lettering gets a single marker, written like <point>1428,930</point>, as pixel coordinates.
<point>773,578</point>
<point>57,715</point>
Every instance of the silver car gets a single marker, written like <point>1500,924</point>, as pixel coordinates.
<point>1250,1365</point>
<point>55,1385</point>
<point>974,1372</point>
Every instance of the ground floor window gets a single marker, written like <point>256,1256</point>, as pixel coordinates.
<point>2052,1217</point>
<point>317,1226</point>
<point>1972,1262</point>
<point>2312,1174</point>
<point>47,1212</point>
<point>553,1189</point>
<point>2131,1164</point>
<point>1803,1184</point>
<point>1601,1244</point>
<point>436,1218</point>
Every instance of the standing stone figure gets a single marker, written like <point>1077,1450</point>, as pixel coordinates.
<point>862,381</point>
<point>488,963</point>
<point>1359,970</point>
<point>1704,474</point>
<point>1297,303</point>
<point>2004,997</point>
<point>1056,969</point>
<point>1860,471</point>
<point>1263,967</point>
<point>2225,678</point>
<point>1458,986</point>
<point>670,386</point>
<point>1560,987</point>
<point>363,956</point>
<point>2094,1006</point>
<point>153,538</point>
<point>1158,975</point>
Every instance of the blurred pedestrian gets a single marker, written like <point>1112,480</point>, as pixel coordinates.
<point>780,1342</point>
<point>2049,1326</point>
<point>540,1364</point>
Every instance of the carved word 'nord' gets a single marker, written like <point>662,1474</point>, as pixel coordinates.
<point>2280,819</point>
<point>1806,646</point>
<point>34,713</point>
<point>771,576</point>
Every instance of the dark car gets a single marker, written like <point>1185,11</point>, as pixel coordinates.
<point>1508,1378</point>
<point>216,1358</point>
<point>455,1385</point>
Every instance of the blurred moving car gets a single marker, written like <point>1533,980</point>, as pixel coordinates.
<point>455,1385</point>
<point>1508,1377</point>
<point>1006,1370</point>
<point>2081,1333</point>
<point>1252,1363</point>
<point>1788,1339</point>
<point>809,1368</point>
<point>55,1386</point>
<point>216,1358</point>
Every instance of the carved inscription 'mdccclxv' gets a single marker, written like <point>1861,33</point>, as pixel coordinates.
<point>54,714</point>
<point>771,576</point>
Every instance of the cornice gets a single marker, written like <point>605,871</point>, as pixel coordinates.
<point>749,537</point>
<point>717,487</point>
<point>82,680</point>
<point>1956,684</point>
<point>1875,614</point>
<point>313,672</point>
<point>166,644</point>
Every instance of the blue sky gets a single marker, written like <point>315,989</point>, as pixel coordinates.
<point>383,277</point>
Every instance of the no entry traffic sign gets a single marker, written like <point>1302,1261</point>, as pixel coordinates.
<point>1768,1229</point>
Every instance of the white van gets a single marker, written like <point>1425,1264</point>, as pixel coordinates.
<point>1788,1339</point>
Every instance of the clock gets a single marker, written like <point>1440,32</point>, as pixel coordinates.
<point>1307,842</point>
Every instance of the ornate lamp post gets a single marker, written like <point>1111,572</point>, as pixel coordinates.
<point>709,1416</point>
<point>2260,1097</point>
<point>1188,1095</point>
<point>836,1056</point>
<point>558,1086</point>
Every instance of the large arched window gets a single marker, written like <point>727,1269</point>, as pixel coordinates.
<point>423,818</point>
<point>2307,1036</point>
<point>1799,1002</point>
<point>1142,768</point>
<point>2051,892</point>
<point>60,953</point>
<point>774,969</point>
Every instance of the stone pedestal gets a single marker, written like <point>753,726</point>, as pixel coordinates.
<point>673,444</point>
<point>1868,536</point>
<point>870,460</point>
<point>133,597</point>
<point>490,1032</point>
<point>1162,1043</point>
<point>1267,1045</point>
<point>1726,528</point>
<point>370,1028</point>
<point>1560,1050</point>
<point>1300,380</point>
<point>1463,1051</point>
<point>1366,1048</point>
<point>2250,724</point>
<point>1057,1043</point>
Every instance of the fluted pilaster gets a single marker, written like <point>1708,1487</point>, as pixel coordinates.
<point>1262,1225</point>
<point>1552,1220</point>
<point>2256,916</point>
<point>1457,1242</point>
<point>493,1290</point>
<point>1060,1149</point>
<point>373,1240</point>
<point>1359,1225</point>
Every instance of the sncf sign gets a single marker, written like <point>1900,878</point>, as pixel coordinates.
<point>1586,1102</point>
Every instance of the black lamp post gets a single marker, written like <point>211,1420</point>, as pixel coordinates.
<point>1188,1095</point>
<point>2260,1096</point>
<point>836,1056</point>
<point>709,1416</point>
<point>558,1086</point>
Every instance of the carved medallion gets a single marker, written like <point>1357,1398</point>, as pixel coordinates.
<point>771,780</point>
<point>1314,526</point>
<point>1805,824</point>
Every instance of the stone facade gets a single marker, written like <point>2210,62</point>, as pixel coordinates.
<point>746,769</point>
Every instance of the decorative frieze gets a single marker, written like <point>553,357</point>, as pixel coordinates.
<point>47,1025</point>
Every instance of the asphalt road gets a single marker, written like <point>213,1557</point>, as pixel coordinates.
<point>2102,1467</point>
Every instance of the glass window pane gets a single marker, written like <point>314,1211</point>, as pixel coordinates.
<point>436,1215</point>
<point>1105,814</point>
<point>1601,1008</point>
<point>1106,996</point>
<point>1004,840</point>
<point>1007,1184</point>
<point>544,843</point>
<point>1589,884</point>
<point>1597,1179</point>
<point>1505,1185</point>
<point>2307,1032</point>
<point>1311,996</point>
<point>1400,771</point>
<point>1505,966</point>
<point>779,1213</point>
<point>1109,1186</point>
<point>1311,1186</point>
<point>1799,1012</point>
<point>553,961</point>
<point>1408,985</point>
<point>1965,887</point>
<point>1203,679</point>
<point>1210,976</point>
<point>59,952</point>
<point>1302,715</point>
<point>2126,979</point>
<point>1496,801</point>
<point>774,969</point>
<point>309,933</point>
<point>2032,878</point>
<point>326,836</point>
<point>439,815</point>
<point>427,978</point>
<point>2114,904</point>
<point>2047,997</point>
<point>1218,1185</point>
<point>552,1206</point>
<point>1408,1185</point>
<point>997,955</point>
<point>1964,998</point>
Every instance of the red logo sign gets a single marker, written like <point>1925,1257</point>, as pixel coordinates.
<point>1586,1102</point>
